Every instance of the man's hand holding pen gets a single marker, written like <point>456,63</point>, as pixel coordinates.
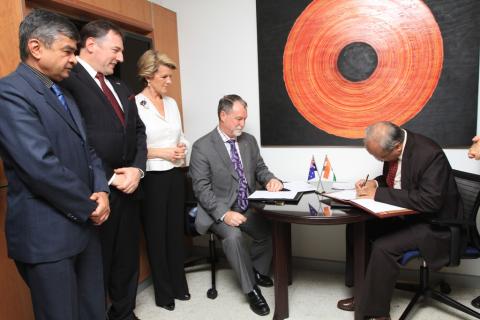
<point>366,188</point>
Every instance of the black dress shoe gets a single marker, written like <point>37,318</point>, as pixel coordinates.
<point>262,280</point>
<point>184,297</point>
<point>476,302</point>
<point>346,304</point>
<point>170,306</point>
<point>134,317</point>
<point>257,302</point>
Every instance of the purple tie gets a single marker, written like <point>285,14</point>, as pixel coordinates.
<point>242,198</point>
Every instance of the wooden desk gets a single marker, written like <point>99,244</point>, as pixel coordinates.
<point>282,218</point>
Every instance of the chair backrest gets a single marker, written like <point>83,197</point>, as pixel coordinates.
<point>190,200</point>
<point>190,205</point>
<point>468,185</point>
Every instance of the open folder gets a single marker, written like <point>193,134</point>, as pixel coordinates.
<point>378,209</point>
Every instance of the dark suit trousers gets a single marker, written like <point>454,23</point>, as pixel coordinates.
<point>389,239</point>
<point>163,209</point>
<point>120,251</point>
<point>68,289</point>
<point>236,250</point>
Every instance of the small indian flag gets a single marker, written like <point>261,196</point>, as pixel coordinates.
<point>328,173</point>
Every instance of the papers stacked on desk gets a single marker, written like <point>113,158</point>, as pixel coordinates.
<point>267,195</point>
<point>299,186</point>
<point>344,195</point>
<point>343,185</point>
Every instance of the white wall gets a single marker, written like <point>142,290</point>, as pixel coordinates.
<point>218,56</point>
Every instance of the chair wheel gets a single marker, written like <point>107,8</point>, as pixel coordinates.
<point>445,287</point>
<point>212,293</point>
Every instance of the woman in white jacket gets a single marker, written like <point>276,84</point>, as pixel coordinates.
<point>163,185</point>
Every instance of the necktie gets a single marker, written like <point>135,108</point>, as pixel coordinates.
<point>60,96</point>
<point>242,198</point>
<point>111,98</point>
<point>392,171</point>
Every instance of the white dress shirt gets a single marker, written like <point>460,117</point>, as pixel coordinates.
<point>397,182</point>
<point>225,139</point>
<point>93,74</point>
<point>162,132</point>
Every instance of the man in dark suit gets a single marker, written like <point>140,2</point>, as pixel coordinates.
<point>474,153</point>
<point>118,136</point>
<point>225,167</point>
<point>57,189</point>
<point>416,175</point>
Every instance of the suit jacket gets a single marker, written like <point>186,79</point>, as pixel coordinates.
<point>215,182</point>
<point>117,145</point>
<point>51,171</point>
<point>427,186</point>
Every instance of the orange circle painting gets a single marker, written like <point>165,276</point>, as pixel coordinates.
<point>348,64</point>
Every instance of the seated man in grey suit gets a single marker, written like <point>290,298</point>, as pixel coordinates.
<point>225,167</point>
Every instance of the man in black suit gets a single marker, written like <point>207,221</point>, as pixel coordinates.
<point>57,188</point>
<point>474,153</point>
<point>118,136</point>
<point>416,175</point>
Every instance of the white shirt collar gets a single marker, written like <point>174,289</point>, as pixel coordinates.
<point>403,146</point>
<point>224,137</point>
<point>87,67</point>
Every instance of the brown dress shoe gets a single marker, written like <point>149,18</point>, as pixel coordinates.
<point>346,304</point>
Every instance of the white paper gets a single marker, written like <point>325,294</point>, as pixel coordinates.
<point>288,195</point>
<point>343,195</point>
<point>343,185</point>
<point>299,186</point>
<point>375,206</point>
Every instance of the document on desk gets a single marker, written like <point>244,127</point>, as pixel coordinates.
<point>344,195</point>
<point>267,195</point>
<point>343,185</point>
<point>379,209</point>
<point>299,186</point>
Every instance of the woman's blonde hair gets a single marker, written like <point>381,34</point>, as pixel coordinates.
<point>149,63</point>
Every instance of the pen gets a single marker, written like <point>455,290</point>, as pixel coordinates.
<point>365,182</point>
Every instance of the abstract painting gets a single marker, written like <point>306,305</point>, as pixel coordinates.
<point>330,68</point>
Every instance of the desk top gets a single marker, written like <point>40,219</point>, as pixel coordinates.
<point>311,210</point>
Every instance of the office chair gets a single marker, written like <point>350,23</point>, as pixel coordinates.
<point>191,231</point>
<point>468,185</point>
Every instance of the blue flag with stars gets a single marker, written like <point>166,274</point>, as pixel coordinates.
<point>313,211</point>
<point>312,170</point>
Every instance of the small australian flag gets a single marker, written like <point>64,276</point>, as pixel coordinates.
<point>312,170</point>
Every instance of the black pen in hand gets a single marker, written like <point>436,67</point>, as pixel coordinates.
<point>365,182</point>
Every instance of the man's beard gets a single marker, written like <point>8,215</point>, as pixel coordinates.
<point>237,132</point>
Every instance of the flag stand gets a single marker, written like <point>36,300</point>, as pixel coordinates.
<point>320,178</point>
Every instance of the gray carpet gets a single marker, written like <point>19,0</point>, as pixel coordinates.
<point>313,295</point>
